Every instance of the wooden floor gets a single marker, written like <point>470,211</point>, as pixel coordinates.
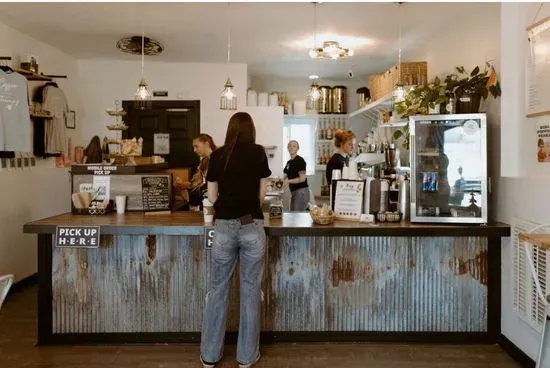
<point>18,330</point>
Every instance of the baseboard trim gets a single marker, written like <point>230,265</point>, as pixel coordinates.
<point>23,284</point>
<point>516,353</point>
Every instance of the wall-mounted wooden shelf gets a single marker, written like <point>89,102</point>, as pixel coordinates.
<point>33,76</point>
<point>38,77</point>
<point>41,116</point>
<point>537,239</point>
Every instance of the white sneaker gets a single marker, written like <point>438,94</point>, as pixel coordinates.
<point>207,365</point>
<point>250,364</point>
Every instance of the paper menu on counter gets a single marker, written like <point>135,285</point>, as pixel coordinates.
<point>348,199</point>
<point>102,187</point>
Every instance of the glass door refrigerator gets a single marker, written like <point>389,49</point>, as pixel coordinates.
<point>449,168</point>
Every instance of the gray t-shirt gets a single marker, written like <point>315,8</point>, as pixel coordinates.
<point>15,121</point>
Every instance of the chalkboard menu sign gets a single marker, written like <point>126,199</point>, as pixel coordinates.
<point>155,191</point>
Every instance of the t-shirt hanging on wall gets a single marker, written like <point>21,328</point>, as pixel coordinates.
<point>15,122</point>
<point>56,103</point>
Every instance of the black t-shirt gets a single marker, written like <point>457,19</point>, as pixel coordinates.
<point>336,162</point>
<point>292,169</point>
<point>239,183</point>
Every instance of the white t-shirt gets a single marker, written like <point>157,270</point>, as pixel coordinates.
<point>15,121</point>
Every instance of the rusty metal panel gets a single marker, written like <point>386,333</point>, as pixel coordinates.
<point>159,284</point>
<point>130,284</point>
<point>378,284</point>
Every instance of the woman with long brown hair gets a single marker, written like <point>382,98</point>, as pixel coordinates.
<point>203,146</point>
<point>236,185</point>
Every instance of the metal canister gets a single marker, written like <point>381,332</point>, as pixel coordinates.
<point>325,106</point>
<point>363,97</point>
<point>339,100</point>
<point>405,199</point>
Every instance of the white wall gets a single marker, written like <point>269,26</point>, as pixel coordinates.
<point>526,195</point>
<point>31,194</point>
<point>104,81</point>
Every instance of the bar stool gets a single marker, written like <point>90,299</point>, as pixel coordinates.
<point>543,359</point>
<point>5,284</point>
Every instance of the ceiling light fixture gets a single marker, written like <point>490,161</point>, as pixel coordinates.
<point>399,92</point>
<point>313,94</point>
<point>330,50</point>
<point>228,98</point>
<point>143,97</point>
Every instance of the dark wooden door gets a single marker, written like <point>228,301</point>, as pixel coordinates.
<point>181,119</point>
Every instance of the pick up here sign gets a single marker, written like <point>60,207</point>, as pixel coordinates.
<point>77,236</point>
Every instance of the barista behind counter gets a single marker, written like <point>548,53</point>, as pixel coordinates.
<point>344,142</point>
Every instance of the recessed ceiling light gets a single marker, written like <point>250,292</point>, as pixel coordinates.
<point>314,76</point>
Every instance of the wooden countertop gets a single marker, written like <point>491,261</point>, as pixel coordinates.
<point>540,240</point>
<point>292,224</point>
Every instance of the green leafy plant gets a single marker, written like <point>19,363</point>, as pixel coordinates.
<point>422,98</point>
<point>475,82</point>
<point>418,102</point>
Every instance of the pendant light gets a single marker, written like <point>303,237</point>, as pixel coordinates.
<point>143,97</point>
<point>228,98</point>
<point>313,96</point>
<point>399,92</point>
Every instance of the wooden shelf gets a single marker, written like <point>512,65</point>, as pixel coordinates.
<point>33,76</point>
<point>41,116</point>
<point>537,239</point>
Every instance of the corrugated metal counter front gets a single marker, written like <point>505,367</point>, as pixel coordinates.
<point>344,282</point>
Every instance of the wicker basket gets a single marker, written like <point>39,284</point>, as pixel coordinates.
<point>375,86</point>
<point>412,73</point>
<point>323,220</point>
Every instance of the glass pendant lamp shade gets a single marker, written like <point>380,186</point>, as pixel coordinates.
<point>399,93</point>
<point>228,98</point>
<point>313,96</point>
<point>143,97</point>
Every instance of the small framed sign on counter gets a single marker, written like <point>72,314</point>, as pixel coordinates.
<point>155,193</point>
<point>77,236</point>
<point>348,198</point>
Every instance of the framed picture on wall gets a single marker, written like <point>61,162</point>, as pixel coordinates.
<point>70,120</point>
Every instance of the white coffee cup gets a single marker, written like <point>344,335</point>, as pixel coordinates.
<point>208,211</point>
<point>120,203</point>
<point>336,174</point>
<point>345,173</point>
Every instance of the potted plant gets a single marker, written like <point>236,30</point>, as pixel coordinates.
<point>470,88</point>
<point>422,100</point>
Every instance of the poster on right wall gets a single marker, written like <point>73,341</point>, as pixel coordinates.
<point>543,140</point>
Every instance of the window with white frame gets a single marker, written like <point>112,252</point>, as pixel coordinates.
<point>302,130</point>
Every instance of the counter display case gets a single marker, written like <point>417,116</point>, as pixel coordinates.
<point>449,168</point>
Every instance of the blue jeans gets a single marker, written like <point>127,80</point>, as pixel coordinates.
<point>231,239</point>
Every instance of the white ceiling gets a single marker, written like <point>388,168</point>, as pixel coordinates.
<point>262,34</point>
